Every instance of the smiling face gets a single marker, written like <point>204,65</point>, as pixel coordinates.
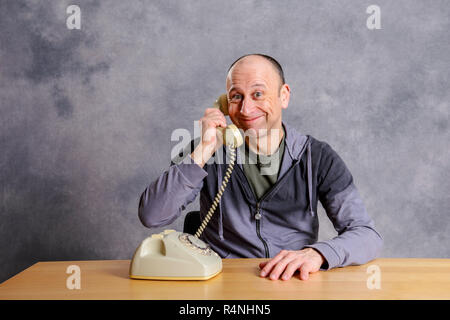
<point>256,96</point>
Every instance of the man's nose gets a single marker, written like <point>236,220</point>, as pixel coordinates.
<point>247,107</point>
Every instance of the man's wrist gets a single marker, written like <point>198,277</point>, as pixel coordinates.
<point>201,154</point>
<point>323,260</point>
<point>324,265</point>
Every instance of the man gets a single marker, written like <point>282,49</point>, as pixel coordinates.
<point>269,215</point>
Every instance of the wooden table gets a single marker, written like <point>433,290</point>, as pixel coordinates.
<point>239,280</point>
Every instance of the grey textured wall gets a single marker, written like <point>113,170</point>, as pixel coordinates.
<point>87,115</point>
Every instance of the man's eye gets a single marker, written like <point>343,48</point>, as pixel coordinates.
<point>258,94</point>
<point>236,97</point>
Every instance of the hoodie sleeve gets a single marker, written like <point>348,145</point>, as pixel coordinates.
<point>357,242</point>
<point>165,198</point>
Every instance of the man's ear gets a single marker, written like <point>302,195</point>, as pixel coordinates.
<point>285,94</point>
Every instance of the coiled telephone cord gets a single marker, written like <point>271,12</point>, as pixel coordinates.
<point>216,201</point>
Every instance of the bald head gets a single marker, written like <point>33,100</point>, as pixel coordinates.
<point>256,94</point>
<point>255,57</point>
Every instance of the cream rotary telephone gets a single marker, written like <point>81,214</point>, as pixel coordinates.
<point>172,255</point>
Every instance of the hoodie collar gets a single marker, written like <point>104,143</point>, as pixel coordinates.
<point>295,146</point>
<point>294,142</point>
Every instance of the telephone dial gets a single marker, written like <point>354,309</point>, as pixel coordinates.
<point>172,255</point>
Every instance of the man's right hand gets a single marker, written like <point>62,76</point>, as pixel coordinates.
<point>211,139</point>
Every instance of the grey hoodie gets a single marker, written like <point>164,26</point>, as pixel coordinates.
<point>284,218</point>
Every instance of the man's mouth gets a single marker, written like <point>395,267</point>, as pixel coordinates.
<point>248,120</point>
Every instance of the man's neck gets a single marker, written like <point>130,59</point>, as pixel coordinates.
<point>266,144</point>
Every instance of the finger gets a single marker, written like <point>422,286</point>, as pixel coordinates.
<point>280,267</point>
<point>213,111</point>
<point>213,121</point>
<point>262,264</point>
<point>209,136</point>
<point>305,269</point>
<point>218,122</point>
<point>210,127</point>
<point>269,264</point>
<point>292,266</point>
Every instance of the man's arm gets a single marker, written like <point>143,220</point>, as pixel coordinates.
<point>357,242</point>
<point>164,199</point>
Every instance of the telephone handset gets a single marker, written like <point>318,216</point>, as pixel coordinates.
<point>172,255</point>
<point>231,135</point>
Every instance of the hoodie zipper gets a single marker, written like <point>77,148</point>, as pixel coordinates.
<point>258,214</point>
<point>258,230</point>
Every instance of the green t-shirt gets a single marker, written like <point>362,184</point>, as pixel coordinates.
<point>261,170</point>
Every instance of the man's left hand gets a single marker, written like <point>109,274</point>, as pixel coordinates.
<point>286,263</point>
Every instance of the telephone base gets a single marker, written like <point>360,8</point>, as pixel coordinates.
<point>175,278</point>
<point>172,255</point>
